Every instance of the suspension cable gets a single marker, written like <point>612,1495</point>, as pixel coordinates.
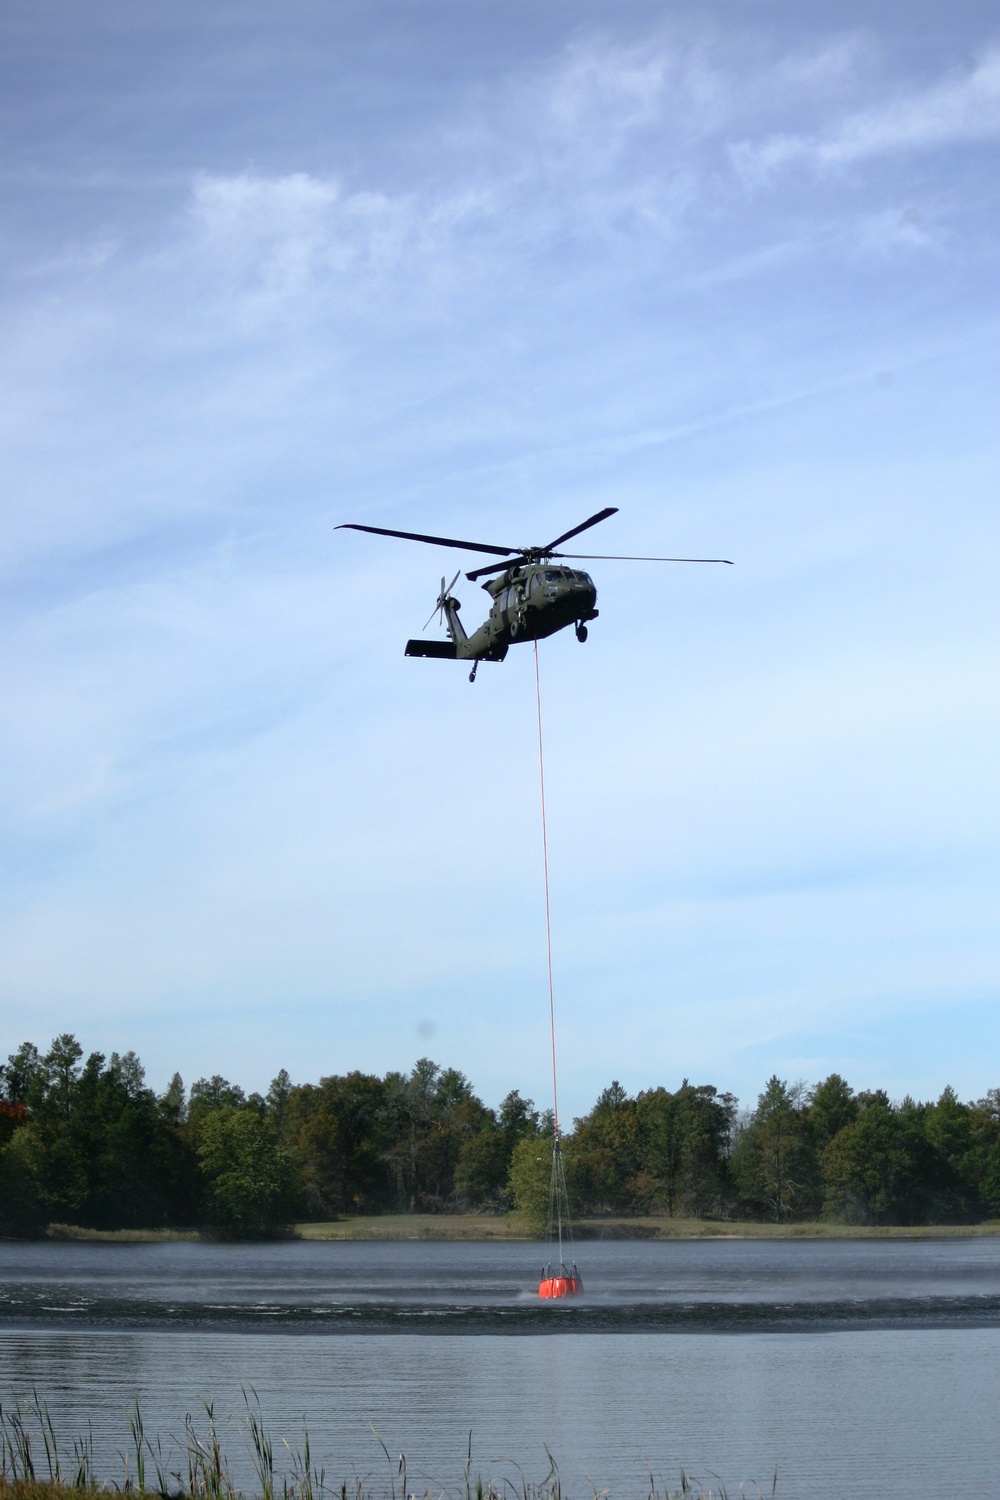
<point>548,916</point>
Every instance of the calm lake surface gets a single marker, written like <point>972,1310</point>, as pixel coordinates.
<point>862,1368</point>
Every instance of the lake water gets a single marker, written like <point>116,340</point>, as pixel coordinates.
<point>861,1368</point>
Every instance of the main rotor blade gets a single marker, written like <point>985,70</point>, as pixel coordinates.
<point>602,515</point>
<point>418,536</point>
<point>616,557</point>
<point>512,562</point>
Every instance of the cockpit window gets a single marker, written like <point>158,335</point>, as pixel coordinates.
<point>552,575</point>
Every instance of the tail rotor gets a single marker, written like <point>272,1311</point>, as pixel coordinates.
<point>442,600</point>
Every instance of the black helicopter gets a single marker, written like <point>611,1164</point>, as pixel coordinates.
<point>533,595</point>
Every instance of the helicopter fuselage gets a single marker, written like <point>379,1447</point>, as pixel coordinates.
<point>530,602</point>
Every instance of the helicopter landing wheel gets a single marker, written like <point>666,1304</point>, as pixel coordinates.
<point>581,633</point>
<point>472,674</point>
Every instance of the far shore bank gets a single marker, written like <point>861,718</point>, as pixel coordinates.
<point>485,1228</point>
<point>501,1227</point>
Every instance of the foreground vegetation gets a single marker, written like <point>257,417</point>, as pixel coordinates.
<point>34,1465</point>
<point>85,1143</point>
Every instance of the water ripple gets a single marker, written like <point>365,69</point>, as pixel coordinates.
<point>27,1306</point>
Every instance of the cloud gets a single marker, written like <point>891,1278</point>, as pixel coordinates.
<point>612,144</point>
<point>892,230</point>
<point>602,87</point>
<point>963,109</point>
<point>285,228</point>
<point>599,177</point>
<point>548,162</point>
<point>957,111</point>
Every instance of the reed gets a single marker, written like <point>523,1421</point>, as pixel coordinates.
<point>197,1467</point>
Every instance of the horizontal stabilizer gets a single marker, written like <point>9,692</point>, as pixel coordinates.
<point>446,649</point>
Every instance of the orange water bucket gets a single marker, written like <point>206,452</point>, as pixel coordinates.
<point>559,1286</point>
<point>560,1283</point>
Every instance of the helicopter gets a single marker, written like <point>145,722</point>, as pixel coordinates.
<point>533,593</point>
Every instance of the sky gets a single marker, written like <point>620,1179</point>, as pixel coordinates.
<point>482,270</point>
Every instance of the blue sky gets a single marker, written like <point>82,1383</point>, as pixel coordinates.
<point>483,270</point>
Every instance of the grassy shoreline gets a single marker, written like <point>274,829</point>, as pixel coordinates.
<point>483,1228</point>
<point>120,1236</point>
<point>478,1227</point>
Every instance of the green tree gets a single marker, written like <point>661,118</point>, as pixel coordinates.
<point>52,1104</point>
<point>253,1187</point>
<point>951,1131</point>
<point>429,1115</point>
<point>173,1102</point>
<point>530,1178</point>
<point>338,1133</point>
<point>770,1162</point>
<point>117,1162</point>
<point>208,1095</point>
<point>23,1203</point>
<point>276,1100</point>
<point>604,1156</point>
<point>831,1106</point>
<point>100,1151</point>
<point>870,1167</point>
<point>685,1146</point>
<point>23,1076</point>
<point>986,1131</point>
<point>517,1118</point>
<point>61,1071</point>
<point>483,1166</point>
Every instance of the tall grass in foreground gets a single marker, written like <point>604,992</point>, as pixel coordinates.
<point>33,1467</point>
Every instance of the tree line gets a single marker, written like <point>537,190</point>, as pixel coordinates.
<point>85,1141</point>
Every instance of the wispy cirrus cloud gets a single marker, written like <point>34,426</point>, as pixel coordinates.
<point>602,174</point>
<point>961,109</point>
<point>608,146</point>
